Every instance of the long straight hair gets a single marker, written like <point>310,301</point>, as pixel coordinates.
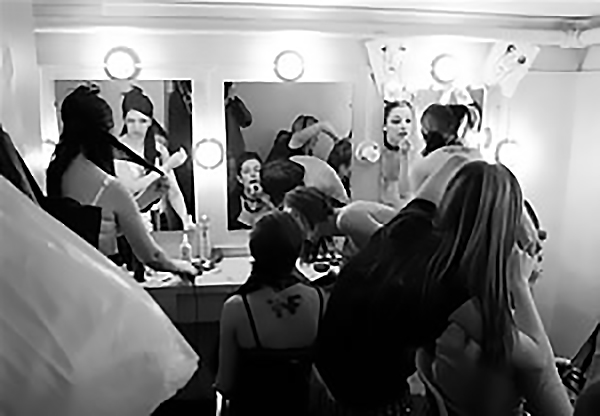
<point>477,222</point>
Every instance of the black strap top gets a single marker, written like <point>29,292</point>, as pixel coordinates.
<point>273,381</point>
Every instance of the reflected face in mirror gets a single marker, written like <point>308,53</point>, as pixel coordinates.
<point>137,124</point>
<point>249,176</point>
<point>399,124</point>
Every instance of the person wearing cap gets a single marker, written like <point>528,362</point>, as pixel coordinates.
<point>268,327</point>
<point>142,133</point>
<point>82,168</point>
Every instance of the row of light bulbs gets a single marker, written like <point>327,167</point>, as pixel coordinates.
<point>123,63</point>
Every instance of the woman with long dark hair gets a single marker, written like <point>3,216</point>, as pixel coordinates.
<point>82,168</point>
<point>444,249</point>
<point>268,327</point>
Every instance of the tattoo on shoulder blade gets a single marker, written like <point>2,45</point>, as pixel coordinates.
<point>290,304</point>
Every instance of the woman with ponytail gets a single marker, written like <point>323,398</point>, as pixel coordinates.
<point>444,128</point>
<point>82,168</point>
<point>269,325</point>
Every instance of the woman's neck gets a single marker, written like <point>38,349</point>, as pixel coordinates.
<point>135,144</point>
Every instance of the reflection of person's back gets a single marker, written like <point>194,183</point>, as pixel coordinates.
<point>274,321</point>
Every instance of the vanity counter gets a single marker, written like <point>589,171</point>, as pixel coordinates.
<point>204,301</point>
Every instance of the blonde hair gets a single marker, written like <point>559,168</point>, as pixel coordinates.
<point>477,222</point>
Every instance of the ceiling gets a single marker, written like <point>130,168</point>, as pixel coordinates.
<point>547,22</point>
<point>530,8</point>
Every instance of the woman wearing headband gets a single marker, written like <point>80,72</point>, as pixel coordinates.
<point>82,168</point>
<point>142,133</point>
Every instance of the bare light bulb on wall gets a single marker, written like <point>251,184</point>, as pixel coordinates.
<point>444,69</point>
<point>508,153</point>
<point>208,153</point>
<point>289,65</point>
<point>122,63</point>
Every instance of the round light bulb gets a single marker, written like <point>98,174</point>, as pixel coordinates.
<point>508,154</point>
<point>444,69</point>
<point>289,65</point>
<point>121,63</point>
<point>208,153</point>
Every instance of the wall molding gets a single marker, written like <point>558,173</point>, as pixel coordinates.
<point>358,22</point>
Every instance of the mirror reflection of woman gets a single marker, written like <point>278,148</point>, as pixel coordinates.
<point>82,168</point>
<point>142,133</point>
<point>399,129</point>
<point>248,202</point>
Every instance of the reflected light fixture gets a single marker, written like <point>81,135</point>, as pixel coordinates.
<point>368,151</point>
<point>444,68</point>
<point>508,153</point>
<point>122,63</point>
<point>209,153</point>
<point>289,65</point>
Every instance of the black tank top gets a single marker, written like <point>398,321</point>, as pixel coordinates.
<point>272,381</point>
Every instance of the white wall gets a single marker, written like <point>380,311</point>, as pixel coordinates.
<point>541,120</point>
<point>577,306</point>
<point>274,106</point>
<point>19,78</point>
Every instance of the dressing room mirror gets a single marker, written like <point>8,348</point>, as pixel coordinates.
<point>263,122</point>
<point>153,118</point>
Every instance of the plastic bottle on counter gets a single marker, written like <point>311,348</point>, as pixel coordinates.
<point>185,249</point>
<point>204,246</point>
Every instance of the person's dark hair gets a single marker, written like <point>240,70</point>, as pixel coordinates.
<point>87,121</point>
<point>244,157</point>
<point>275,244</point>
<point>390,105</point>
<point>340,155</point>
<point>443,124</point>
<point>588,402</point>
<point>135,99</point>
<point>471,113</point>
<point>477,223</point>
<point>280,176</point>
<point>310,203</point>
<point>303,121</point>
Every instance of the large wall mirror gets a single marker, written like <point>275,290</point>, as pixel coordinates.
<point>153,118</point>
<point>268,122</point>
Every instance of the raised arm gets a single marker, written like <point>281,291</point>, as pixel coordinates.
<point>309,132</point>
<point>240,112</point>
<point>361,219</point>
